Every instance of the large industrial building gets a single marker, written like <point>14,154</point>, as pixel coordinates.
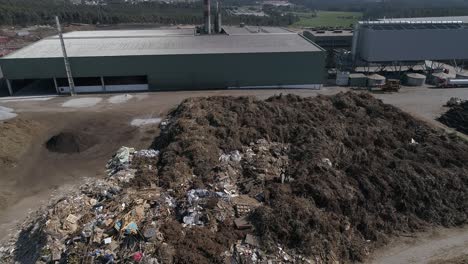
<point>410,40</point>
<point>139,60</point>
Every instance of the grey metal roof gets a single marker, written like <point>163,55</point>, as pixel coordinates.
<point>131,43</point>
<point>411,26</point>
<point>237,30</point>
<point>463,19</point>
<point>129,33</point>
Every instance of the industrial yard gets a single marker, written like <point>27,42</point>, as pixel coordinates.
<point>220,143</point>
<point>98,116</point>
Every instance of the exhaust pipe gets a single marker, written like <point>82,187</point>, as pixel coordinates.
<point>207,16</point>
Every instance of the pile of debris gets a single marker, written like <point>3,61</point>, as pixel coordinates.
<point>91,224</point>
<point>240,180</point>
<point>457,116</point>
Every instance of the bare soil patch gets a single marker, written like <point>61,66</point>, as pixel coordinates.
<point>70,142</point>
<point>457,260</point>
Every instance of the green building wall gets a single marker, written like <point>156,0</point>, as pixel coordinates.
<point>191,71</point>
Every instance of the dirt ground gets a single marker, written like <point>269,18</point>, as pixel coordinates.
<point>41,173</point>
<point>438,246</point>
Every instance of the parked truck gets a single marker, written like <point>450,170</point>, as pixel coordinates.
<point>452,83</point>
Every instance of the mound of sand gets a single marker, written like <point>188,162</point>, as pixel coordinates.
<point>15,138</point>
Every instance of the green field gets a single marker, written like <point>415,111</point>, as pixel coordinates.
<point>327,19</point>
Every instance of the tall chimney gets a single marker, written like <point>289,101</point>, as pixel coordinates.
<point>218,25</point>
<point>207,16</point>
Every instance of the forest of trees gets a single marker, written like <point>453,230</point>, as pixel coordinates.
<point>28,12</point>
<point>391,8</point>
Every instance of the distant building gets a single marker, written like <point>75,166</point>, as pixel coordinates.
<point>330,40</point>
<point>142,60</point>
<point>411,39</point>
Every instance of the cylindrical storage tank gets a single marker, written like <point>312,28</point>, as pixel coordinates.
<point>357,80</point>
<point>415,79</point>
<point>462,75</point>
<point>375,80</point>
<point>342,78</point>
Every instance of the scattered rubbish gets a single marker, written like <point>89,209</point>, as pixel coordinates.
<point>120,160</point>
<point>107,240</point>
<point>454,101</point>
<point>252,240</point>
<point>328,162</point>
<point>164,123</point>
<point>150,233</point>
<point>234,156</point>
<point>148,153</point>
<point>131,228</point>
<point>242,223</point>
<point>138,256</point>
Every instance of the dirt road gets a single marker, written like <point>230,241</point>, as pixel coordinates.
<point>433,247</point>
<point>40,173</point>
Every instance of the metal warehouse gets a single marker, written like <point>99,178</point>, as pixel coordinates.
<point>411,40</point>
<point>330,40</point>
<point>138,60</point>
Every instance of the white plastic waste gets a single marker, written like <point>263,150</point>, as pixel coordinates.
<point>123,154</point>
<point>327,161</point>
<point>149,153</point>
<point>233,156</point>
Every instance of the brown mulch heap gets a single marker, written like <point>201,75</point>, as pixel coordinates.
<point>456,117</point>
<point>389,172</point>
<point>242,180</point>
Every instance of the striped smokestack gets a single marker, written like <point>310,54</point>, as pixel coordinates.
<point>207,16</point>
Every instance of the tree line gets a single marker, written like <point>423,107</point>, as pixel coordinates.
<point>30,12</point>
<point>391,8</point>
